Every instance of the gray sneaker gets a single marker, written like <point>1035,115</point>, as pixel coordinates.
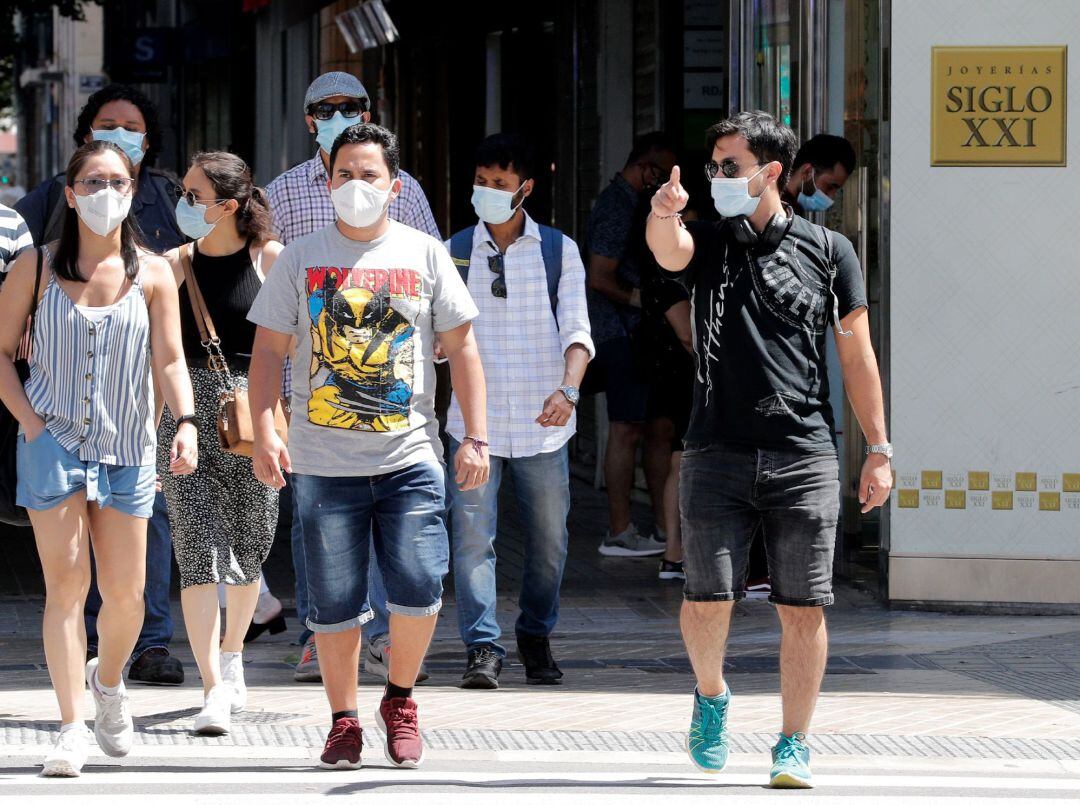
<point>377,659</point>
<point>631,542</point>
<point>307,670</point>
<point>113,727</point>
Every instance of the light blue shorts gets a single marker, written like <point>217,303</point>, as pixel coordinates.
<point>49,475</point>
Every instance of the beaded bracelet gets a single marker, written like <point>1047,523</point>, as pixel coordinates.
<point>666,217</point>
<point>478,444</point>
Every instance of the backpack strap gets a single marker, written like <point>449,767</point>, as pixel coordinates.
<point>551,247</point>
<point>832,278</point>
<point>461,251</point>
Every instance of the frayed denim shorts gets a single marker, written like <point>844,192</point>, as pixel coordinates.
<point>48,474</point>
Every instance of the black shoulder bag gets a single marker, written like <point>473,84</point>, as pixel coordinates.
<point>10,512</point>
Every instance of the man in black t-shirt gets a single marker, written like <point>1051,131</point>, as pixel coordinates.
<point>766,287</point>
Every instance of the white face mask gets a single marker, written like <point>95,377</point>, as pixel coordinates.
<point>731,197</point>
<point>359,203</point>
<point>104,210</point>
<point>495,206</point>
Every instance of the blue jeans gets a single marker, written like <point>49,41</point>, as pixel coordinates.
<point>157,628</point>
<point>336,516</point>
<point>380,619</point>
<point>542,491</point>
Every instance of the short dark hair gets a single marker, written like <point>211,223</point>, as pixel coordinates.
<point>122,92</point>
<point>769,139</point>
<point>509,152</point>
<point>648,144</point>
<point>370,133</point>
<point>823,151</point>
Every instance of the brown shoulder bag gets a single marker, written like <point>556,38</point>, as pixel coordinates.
<point>236,432</point>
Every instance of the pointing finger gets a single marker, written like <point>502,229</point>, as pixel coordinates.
<point>675,176</point>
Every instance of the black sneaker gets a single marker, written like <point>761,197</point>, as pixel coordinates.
<point>483,670</point>
<point>535,655</point>
<point>156,666</point>
<point>671,571</point>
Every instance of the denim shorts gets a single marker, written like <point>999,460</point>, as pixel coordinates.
<point>726,492</point>
<point>402,513</point>
<point>48,475</point>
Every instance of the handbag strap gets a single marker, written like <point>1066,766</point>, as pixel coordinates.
<point>207,333</point>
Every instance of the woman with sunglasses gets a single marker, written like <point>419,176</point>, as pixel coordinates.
<point>222,518</point>
<point>106,326</point>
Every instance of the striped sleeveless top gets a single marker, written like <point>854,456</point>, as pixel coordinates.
<point>91,380</point>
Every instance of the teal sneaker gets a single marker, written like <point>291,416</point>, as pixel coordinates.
<point>707,741</point>
<point>791,763</point>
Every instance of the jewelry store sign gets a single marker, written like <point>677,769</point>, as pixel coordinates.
<point>998,106</point>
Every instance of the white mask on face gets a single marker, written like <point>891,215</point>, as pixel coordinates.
<point>104,210</point>
<point>359,203</point>
<point>494,206</point>
<point>731,197</point>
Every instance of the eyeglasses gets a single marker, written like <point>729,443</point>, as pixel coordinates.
<point>121,184</point>
<point>729,167</point>
<point>325,110</point>
<point>192,199</point>
<point>498,267</point>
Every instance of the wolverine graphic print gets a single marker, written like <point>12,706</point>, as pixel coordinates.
<point>362,362</point>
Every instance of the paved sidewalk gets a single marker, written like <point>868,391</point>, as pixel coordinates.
<point>914,705</point>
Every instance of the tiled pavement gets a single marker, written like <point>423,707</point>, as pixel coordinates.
<point>901,688</point>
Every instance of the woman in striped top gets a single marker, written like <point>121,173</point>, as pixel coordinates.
<point>107,324</point>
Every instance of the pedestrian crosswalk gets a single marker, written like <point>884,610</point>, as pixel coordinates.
<point>196,780</point>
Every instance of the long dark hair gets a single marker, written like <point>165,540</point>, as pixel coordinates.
<point>64,261</point>
<point>122,92</point>
<point>231,179</point>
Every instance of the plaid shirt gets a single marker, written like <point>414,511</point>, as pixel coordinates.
<point>300,203</point>
<point>522,345</point>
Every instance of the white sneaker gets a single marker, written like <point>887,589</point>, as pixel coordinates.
<point>631,542</point>
<point>232,676</point>
<point>213,719</point>
<point>69,753</point>
<point>113,727</point>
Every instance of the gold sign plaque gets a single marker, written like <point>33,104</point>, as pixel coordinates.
<point>908,498</point>
<point>979,481</point>
<point>955,499</point>
<point>998,106</point>
<point>931,479</point>
<point>1049,501</point>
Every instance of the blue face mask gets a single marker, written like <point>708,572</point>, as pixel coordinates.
<point>494,206</point>
<point>192,219</point>
<point>731,197</point>
<point>818,202</point>
<point>130,142</point>
<point>328,130</point>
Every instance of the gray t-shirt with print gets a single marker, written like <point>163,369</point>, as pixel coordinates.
<point>364,315</point>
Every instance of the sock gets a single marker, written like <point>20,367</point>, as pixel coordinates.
<point>74,725</point>
<point>103,689</point>
<point>719,698</point>
<point>340,714</point>
<point>394,692</point>
<point>228,655</point>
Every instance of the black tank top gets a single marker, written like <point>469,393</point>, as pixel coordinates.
<point>229,285</point>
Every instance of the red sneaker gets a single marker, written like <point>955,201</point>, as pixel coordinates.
<point>343,745</point>
<point>398,721</point>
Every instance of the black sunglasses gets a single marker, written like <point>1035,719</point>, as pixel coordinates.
<point>729,167</point>
<point>325,110</point>
<point>498,267</point>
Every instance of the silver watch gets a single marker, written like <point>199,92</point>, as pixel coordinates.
<point>883,449</point>
<point>571,393</point>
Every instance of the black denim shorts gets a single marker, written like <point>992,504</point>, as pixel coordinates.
<point>726,492</point>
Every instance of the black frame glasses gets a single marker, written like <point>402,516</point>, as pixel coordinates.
<point>192,199</point>
<point>729,167</point>
<point>497,266</point>
<point>324,110</point>
<point>121,184</point>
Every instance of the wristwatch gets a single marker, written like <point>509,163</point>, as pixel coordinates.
<point>571,393</point>
<point>884,449</point>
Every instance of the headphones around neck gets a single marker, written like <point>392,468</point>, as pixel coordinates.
<point>769,239</point>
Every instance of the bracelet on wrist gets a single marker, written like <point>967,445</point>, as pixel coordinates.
<point>477,443</point>
<point>666,217</point>
<point>194,420</point>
